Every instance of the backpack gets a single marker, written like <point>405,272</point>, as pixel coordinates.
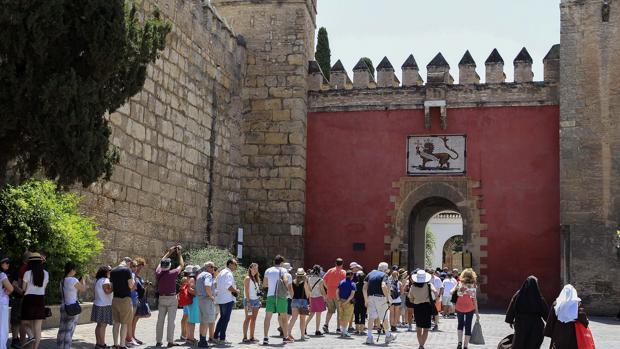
<point>281,287</point>
<point>394,291</point>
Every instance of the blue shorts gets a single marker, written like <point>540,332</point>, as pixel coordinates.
<point>255,303</point>
<point>299,304</point>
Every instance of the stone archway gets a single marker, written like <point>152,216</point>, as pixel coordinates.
<point>428,196</point>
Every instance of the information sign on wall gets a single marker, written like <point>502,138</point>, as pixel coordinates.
<point>436,154</point>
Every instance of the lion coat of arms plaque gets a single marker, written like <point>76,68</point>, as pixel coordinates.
<point>436,154</point>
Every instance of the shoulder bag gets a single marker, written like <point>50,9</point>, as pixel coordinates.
<point>431,302</point>
<point>281,287</point>
<point>71,309</point>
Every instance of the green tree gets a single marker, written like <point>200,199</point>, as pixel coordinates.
<point>63,65</point>
<point>429,247</point>
<point>36,216</point>
<point>371,67</point>
<point>323,53</point>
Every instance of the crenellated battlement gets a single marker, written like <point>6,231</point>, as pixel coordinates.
<point>438,72</point>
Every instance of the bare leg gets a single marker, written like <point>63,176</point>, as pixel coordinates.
<point>318,321</point>
<point>284,321</point>
<point>36,329</point>
<point>266,324</point>
<point>253,321</point>
<point>246,323</point>
<point>292,321</point>
<point>302,325</point>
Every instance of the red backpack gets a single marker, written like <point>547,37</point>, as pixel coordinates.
<point>184,297</point>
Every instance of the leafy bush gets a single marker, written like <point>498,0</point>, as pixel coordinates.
<point>36,216</point>
<point>219,257</point>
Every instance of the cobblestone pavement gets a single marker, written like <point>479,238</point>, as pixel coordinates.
<point>606,334</point>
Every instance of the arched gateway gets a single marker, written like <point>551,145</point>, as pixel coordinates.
<point>418,201</point>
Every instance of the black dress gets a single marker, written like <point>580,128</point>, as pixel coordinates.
<point>528,326</point>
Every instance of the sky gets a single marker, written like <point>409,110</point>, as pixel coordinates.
<point>397,28</point>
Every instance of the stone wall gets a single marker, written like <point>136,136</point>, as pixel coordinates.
<point>179,138</point>
<point>280,42</point>
<point>589,160</point>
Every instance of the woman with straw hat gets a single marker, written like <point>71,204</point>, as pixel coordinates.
<point>300,302</point>
<point>420,295</point>
<point>33,306</point>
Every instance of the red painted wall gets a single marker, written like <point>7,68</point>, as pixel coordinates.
<point>354,157</point>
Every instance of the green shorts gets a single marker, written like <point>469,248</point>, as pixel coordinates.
<point>276,305</point>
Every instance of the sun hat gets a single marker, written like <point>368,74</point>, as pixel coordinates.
<point>165,264</point>
<point>300,272</point>
<point>4,260</point>
<point>287,266</point>
<point>354,265</point>
<point>421,277</point>
<point>35,256</point>
<point>189,269</point>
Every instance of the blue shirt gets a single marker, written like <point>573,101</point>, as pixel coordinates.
<point>345,288</point>
<point>375,278</point>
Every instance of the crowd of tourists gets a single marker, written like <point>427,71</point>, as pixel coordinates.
<point>373,304</point>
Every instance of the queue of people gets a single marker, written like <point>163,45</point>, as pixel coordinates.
<point>377,303</point>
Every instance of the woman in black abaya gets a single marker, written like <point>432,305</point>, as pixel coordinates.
<point>526,313</point>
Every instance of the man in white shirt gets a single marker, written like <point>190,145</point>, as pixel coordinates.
<point>448,284</point>
<point>436,281</point>
<point>225,297</point>
<point>277,298</point>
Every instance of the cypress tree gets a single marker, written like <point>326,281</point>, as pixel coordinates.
<point>323,53</point>
<point>64,64</point>
<point>371,67</point>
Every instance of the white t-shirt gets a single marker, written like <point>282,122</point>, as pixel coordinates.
<point>4,298</point>
<point>315,282</point>
<point>448,285</point>
<point>289,280</point>
<point>224,280</point>
<point>32,289</point>
<point>102,299</point>
<point>437,283</point>
<point>273,275</point>
<point>69,290</point>
<point>252,289</point>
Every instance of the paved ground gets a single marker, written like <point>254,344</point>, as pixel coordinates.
<point>606,333</point>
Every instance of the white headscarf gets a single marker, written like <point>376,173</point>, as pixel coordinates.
<point>567,304</point>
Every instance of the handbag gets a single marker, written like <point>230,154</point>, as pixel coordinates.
<point>506,342</point>
<point>584,336</point>
<point>476,334</point>
<point>143,309</point>
<point>71,309</point>
<point>454,297</point>
<point>48,312</point>
<point>430,300</point>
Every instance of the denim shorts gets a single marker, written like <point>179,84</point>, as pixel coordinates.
<point>255,303</point>
<point>299,304</point>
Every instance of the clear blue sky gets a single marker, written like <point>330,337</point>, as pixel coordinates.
<point>397,28</point>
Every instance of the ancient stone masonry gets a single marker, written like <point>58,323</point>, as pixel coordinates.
<point>589,143</point>
<point>179,141</point>
<point>438,98</point>
<point>280,42</point>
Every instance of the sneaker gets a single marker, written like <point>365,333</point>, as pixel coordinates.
<point>460,346</point>
<point>265,341</point>
<point>325,329</point>
<point>389,338</point>
<point>224,342</point>
<point>158,344</point>
<point>435,328</point>
<point>351,329</point>
<point>203,344</point>
<point>409,328</point>
<point>318,333</point>
<point>369,341</point>
<point>288,340</point>
<point>170,345</point>
<point>129,345</point>
<point>27,342</point>
<point>338,330</point>
<point>393,328</point>
<point>139,342</point>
